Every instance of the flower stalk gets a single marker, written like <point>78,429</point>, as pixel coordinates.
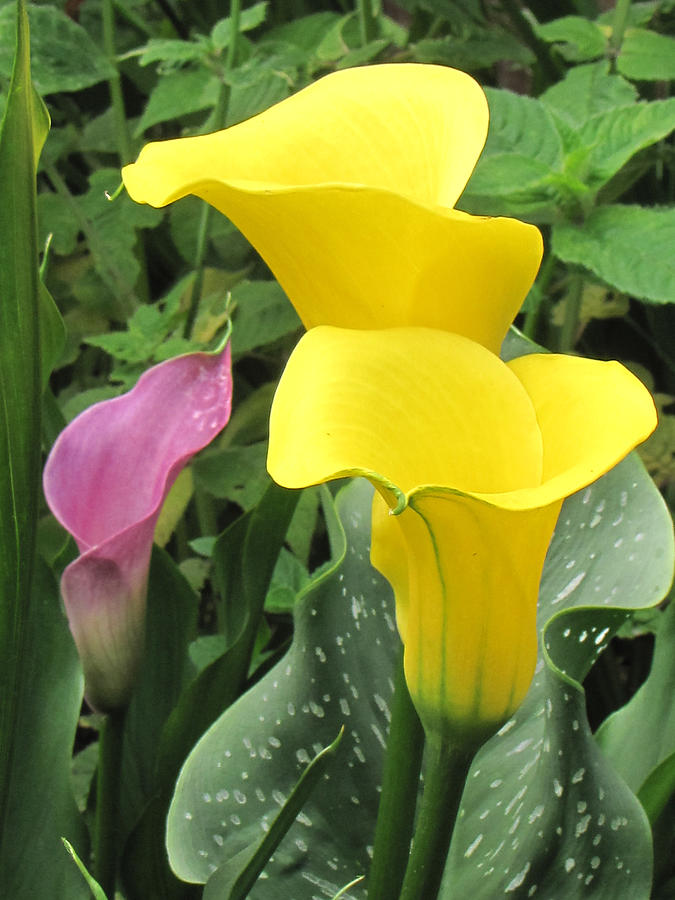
<point>445,773</point>
<point>400,788</point>
<point>106,825</point>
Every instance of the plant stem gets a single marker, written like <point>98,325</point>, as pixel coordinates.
<point>540,49</point>
<point>618,28</point>
<point>400,787</point>
<point>533,315</point>
<point>445,773</point>
<point>367,21</point>
<point>220,120</point>
<point>106,826</point>
<point>568,335</point>
<point>114,85</point>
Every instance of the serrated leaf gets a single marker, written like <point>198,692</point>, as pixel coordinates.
<point>179,94</point>
<point>262,314</point>
<point>235,473</point>
<point>586,91</point>
<point>64,57</point>
<point>478,52</point>
<point>522,125</point>
<point>647,56</point>
<point>172,51</point>
<point>581,39</point>
<point>616,135</point>
<point>628,247</point>
<point>250,18</point>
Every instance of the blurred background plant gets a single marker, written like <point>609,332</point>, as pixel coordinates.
<point>580,143</point>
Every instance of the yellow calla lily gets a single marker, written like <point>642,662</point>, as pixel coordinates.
<point>347,190</point>
<point>471,458</point>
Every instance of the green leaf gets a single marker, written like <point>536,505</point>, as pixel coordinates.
<point>612,551</point>
<point>581,39</point>
<point>647,56</point>
<point>337,672</point>
<point>172,51</point>
<point>96,889</point>
<point>221,33</point>
<point>479,51</point>
<point>64,57</point>
<point>179,94</point>
<point>171,625</point>
<point>238,875</point>
<point>263,314</point>
<point>542,805</point>
<point>235,473</point>
<point>586,91</point>
<point>32,860</point>
<point>629,247</point>
<point>52,334</point>
<point>23,761</point>
<point>616,135</point>
<point>522,125</point>
<point>641,736</point>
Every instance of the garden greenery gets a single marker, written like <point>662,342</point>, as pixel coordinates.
<point>327,566</point>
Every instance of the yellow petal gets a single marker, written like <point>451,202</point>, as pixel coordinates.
<point>413,129</point>
<point>405,407</point>
<point>466,607</point>
<point>346,191</point>
<point>591,414</point>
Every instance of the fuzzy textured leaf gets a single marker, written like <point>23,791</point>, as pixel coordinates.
<point>629,247</point>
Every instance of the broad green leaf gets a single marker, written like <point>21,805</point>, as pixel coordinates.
<point>612,551</point>
<point>263,314</point>
<point>641,736</point>
<point>22,133</point>
<point>542,806</point>
<point>179,94</point>
<point>586,91</point>
<point>39,808</point>
<point>647,56</point>
<point>237,876</point>
<point>615,135</point>
<point>52,333</point>
<point>64,57</point>
<point>172,51</point>
<point>306,32</point>
<point>337,672</point>
<point>512,184</point>
<point>579,38</point>
<point>629,247</point>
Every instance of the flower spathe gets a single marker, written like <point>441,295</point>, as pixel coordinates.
<point>347,190</point>
<point>105,481</point>
<point>471,458</point>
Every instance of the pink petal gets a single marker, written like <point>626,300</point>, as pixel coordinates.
<point>105,481</point>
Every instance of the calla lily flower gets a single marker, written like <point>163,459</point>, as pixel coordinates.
<point>105,481</point>
<point>347,190</point>
<point>471,458</point>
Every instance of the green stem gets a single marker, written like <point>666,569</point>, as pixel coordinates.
<point>106,825</point>
<point>367,21</point>
<point>570,326</point>
<point>540,49</point>
<point>618,28</point>
<point>533,315</point>
<point>400,787</point>
<point>115,86</point>
<point>220,120</point>
<point>445,773</point>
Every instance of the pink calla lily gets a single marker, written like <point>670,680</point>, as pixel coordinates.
<point>105,481</point>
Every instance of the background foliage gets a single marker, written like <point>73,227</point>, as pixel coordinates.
<point>580,144</point>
